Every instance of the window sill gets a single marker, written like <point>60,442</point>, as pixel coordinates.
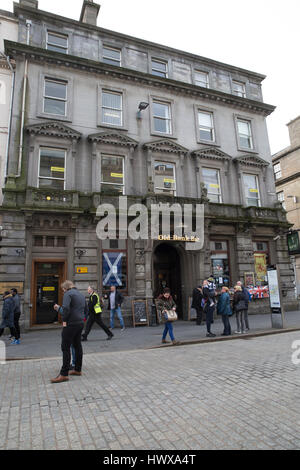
<point>54,117</point>
<point>161,134</point>
<point>116,128</point>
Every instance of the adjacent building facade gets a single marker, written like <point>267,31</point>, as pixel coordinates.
<point>286,165</point>
<point>107,115</point>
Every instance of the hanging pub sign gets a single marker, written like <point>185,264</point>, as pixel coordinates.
<point>293,243</point>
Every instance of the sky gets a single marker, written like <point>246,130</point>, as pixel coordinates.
<point>260,35</point>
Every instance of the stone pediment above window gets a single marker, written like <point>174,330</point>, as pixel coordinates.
<point>251,160</point>
<point>166,146</point>
<point>211,153</point>
<point>53,129</point>
<point>113,138</point>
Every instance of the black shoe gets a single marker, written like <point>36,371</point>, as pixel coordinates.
<point>109,337</point>
<point>71,367</point>
<point>210,335</point>
<point>83,338</point>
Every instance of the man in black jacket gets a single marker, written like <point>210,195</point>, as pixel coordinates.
<point>196,303</point>
<point>73,311</point>
<point>95,310</point>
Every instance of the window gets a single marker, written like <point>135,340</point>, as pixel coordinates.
<point>251,190</point>
<point>201,79</point>
<point>55,97</point>
<point>57,42</point>
<point>277,171</point>
<point>238,89</point>
<point>159,68</point>
<point>280,197</point>
<point>162,117</point>
<point>245,134</point>
<point>211,179</point>
<point>112,174</point>
<point>206,126</point>
<point>114,269</point>
<point>165,180</point>
<point>111,56</point>
<point>112,112</point>
<point>52,168</point>
<point>261,262</point>
<point>219,257</point>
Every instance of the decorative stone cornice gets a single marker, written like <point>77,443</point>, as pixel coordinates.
<point>113,138</point>
<point>251,160</point>
<point>211,153</point>
<point>53,129</point>
<point>166,146</point>
<point>15,49</point>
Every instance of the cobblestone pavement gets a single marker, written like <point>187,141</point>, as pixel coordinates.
<point>241,394</point>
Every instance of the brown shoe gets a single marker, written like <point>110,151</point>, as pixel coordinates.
<point>74,372</point>
<point>164,341</point>
<point>59,379</point>
<point>175,342</point>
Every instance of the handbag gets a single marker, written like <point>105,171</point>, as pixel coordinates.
<point>170,315</point>
<point>241,305</point>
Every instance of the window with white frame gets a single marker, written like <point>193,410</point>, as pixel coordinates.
<point>251,190</point>
<point>112,174</point>
<point>206,126</point>
<point>55,97</point>
<point>159,68</point>
<point>277,171</point>
<point>57,42</point>
<point>165,178</point>
<point>238,89</point>
<point>111,56</point>
<point>52,168</point>
<point>211,179</point>
<point>201,79</point>
<point>112,108</point>
<point>280,197</point>
<point>245,134</point>
<point>162,117</point>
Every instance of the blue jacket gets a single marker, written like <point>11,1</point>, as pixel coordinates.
<point>223,307</point>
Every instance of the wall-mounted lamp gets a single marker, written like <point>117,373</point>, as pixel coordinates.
<point>80,253</point>
<point>20,251</point>
<point>142,106</point>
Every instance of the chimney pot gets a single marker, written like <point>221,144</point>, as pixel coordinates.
<point>30,3</point>
<point>89,12</point>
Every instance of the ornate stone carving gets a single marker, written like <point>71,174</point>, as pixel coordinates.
<point>53,129</point>
<point>113,138</point>
<point>211,153</point>
<point>251,160</point>
<point>166,146</point>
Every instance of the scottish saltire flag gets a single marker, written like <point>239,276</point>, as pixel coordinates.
<point>112,269</point>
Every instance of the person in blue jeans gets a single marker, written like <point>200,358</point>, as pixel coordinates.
<point>166,302</point>
<point>115,300</point>
<point>224,309</point>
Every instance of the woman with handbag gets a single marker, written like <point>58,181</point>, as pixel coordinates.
<point>167,314</point>
<point>239,306</point>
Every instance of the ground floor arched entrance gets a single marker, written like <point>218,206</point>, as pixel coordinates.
<point>167,273</point>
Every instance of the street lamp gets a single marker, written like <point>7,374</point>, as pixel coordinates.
<point>142,106</point>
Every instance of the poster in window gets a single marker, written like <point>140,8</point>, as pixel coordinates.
<point>260,263</point>
<point>114,269</point>
<point>249,279</point>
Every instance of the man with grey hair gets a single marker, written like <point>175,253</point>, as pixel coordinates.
<point>73,312</point>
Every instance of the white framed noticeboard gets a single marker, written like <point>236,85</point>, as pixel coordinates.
<point>274,289</point>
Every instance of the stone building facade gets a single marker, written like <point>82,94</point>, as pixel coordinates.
<point>286,165</point>
<point>107,115</point>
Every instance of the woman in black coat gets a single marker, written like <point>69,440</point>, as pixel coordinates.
<point>239,306</point>
<point>8,314</point>
<point>196,303</point>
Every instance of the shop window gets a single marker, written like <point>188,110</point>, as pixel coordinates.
<point>112,174</point>
<point>261,262</point>
<point>114,269</point>
<point>219,256</point>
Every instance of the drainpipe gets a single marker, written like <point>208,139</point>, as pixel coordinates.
<point>28,26</point>
<point>10,111</point>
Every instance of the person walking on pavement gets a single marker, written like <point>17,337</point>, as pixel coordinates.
<point>73,311</point>
<point>115,300</point>
<point>95,310</point>
<point>8,315</point>
<point>17,314</point>
<point>224,309</point>
<point>166,302</point>
<point>197,303</point>
<point>247,298</point>
<point>209,306</point>
<point>239,306</point>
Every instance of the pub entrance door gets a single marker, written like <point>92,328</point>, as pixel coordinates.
<point>46,291</point>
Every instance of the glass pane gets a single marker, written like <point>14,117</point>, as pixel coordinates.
<point>161,125</point>
<point>252,202</point>
<point>245,142</point>
<point>50,47</point>
<point>162,67</point>
<point>206,134</point>
<point>112,54</point>
<point>54,107</point>
<point>161,110</point>
<point>201,78</point>
<point>56,89</point>
<point>110,116</point>
<point>111,189</point>
<point>53,184</point>
<point>165,176</point>
<point>112,170</point>
<point>205,119</point>
<point>244,128</point>
<point>52,163</point>
<point>58,40</point>
<point>112,100</point>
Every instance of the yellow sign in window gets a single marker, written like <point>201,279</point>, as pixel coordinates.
<point>116,175</point>
<point>253,190</point>
<point>214,186</point>
<point>58,169</point>
<point>48,289</point>
<point>168,180</point>
<point>83,270</point>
